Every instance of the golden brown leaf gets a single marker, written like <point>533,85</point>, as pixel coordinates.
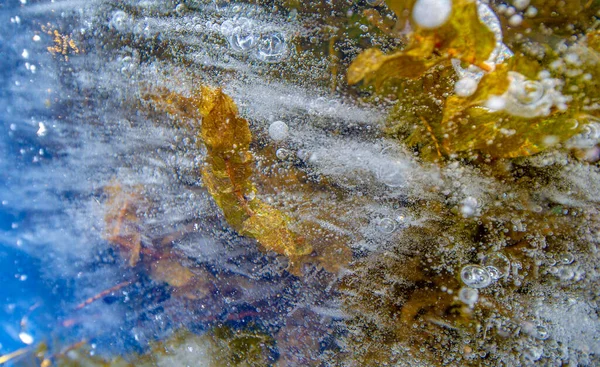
<point>271,226</point>
<point>374,66</point>
<point>227,176</point>
<point>171,272</point>
<point>469,125</point>
<point>463,37</point>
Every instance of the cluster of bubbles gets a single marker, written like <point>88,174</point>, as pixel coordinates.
<point>495,266</point>
<point>475,276</point>
<point>560,266</point>
<point>530,98</point>
<point>245,37</point>
<point>389,224</point>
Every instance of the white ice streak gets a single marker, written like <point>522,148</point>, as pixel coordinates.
<point>572,322</point>
<point>60,5</point>
<point>261,100</point>
<point>362,164</point>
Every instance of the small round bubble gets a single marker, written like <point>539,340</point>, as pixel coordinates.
<point>392,175</point>
<point>528,92</point>
<point>120,21</point>
<point>566,258</point>
<point>468,296</point>
<point>282,153</point>
<point>565,273</point>
<point>430,14</point>
<point>497,264</point>
<point>242,38</point>
<point>386,225</point>
<point>181,9</point>
<point>541,333</point>
<point>465,87</point>
<point>278,131</point>
<point>475,276</point>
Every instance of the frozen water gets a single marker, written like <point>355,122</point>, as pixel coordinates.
<point>87,100</point>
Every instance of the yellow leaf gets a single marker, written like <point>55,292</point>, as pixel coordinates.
<point>374,66</point>
<point>271,227</point>
<point>462,37</point>
<point>228,176</point>
<point>469,125</point>
<point>223,131</point>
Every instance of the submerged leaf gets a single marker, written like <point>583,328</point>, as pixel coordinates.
<point>227,176</point>
<point>501,135</point>
<point>270,225</point>
<point>374,65</point>
<point>508,116</point>
<point>463,37</point>
<point>171,272</point>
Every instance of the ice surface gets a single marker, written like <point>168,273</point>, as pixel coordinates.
<point>81,121</point>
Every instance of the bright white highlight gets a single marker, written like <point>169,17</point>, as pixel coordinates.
<point>430,14</point>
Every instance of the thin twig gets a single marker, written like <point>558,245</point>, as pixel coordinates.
<point>435,141</point>
<point>103,294</point>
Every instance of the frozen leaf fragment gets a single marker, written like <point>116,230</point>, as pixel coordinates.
<point>374,66</point>
<point>508,116</point>
<point>171,272</point>
<point>228,170</point>
<point>228,177</point>
<point>463,36</point>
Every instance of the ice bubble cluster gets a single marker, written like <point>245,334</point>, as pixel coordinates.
<point>475,276</point>
<point>246,36</point>
<point>497,265</point>
<point>530,98</point>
